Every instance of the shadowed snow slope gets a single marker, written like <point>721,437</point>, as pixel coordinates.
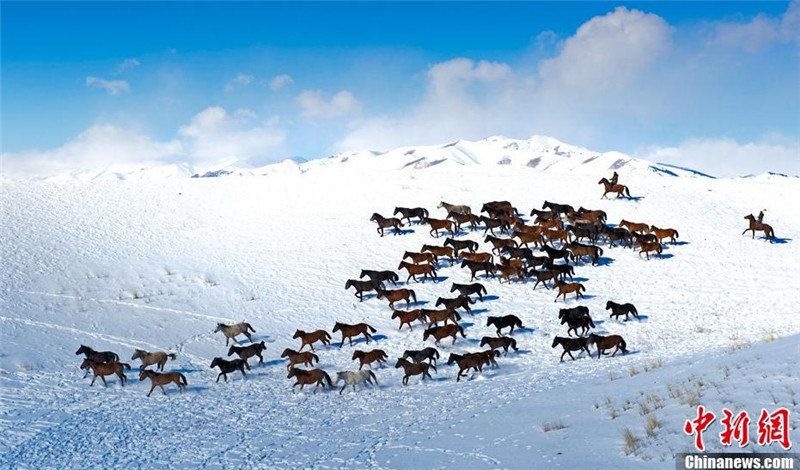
<point>155,264</point>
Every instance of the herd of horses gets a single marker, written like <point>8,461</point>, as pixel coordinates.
<point>545,249</point>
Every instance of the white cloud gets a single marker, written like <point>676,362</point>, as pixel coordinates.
<point>314,105</point>
<point>113,87</point>
<point>760,32</point>
<point>281,81</point>
<point>128,64</point>
<point>241,80</point>
<point>728,158</point>
<point>211,137</point>
<point>608,51</point>
<point>103,145</point>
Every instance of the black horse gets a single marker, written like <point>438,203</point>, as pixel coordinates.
<point>501,342</point>
<point>227,367</point>
<point>618,310</point>
<point>462,301</point>
<point>558,208</point>
<point>408,213</point>
<point>478,266</point>
<point>542,277</point>
<point>583,322</point>
<point>459,245</point>
<point>363,286</point>
<point>555,254</point>
<point>380,276</point>
<point>468,289</point>
<point>574,312</point>
<point>571,344</point>
<point>97,356</point>
<point>517,253</point>
<point>504,322</point>
<point>563,270</point>
<point>430,354</point>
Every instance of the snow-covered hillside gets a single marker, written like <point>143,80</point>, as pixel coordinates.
<point>542,153</point>
<point>124,263</point>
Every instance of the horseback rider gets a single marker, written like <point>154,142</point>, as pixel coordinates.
<point>614,178</point>
<point>760,218</point>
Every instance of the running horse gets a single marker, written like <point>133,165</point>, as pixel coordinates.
<point>610,187</point>
<point>384,222</point>
<point>756,226</point>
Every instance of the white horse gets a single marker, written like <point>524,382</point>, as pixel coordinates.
<point>458,209</point>
<point>353,378</point>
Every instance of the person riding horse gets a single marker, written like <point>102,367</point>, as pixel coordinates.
<point>614,178</point>
<point>761,216</point>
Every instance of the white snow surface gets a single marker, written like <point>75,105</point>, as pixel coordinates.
<point>154,263</point>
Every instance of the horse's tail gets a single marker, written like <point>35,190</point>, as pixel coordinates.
<point>314,357</point>
<point>183,379</point>
<point>116,358</point>
<point>126,365</point>
<point>413,294</point>
<point>600,250</point>
<point>590,321</point>
<point>425,212</point>
<point>249,327</point>
<point>371,329</point>
<point>371,375</point>
<point>627,191</point>
<point>328,378</point>
<point>519,323</point>
<point>483,288</point>
<point>461,330</point>
<point>623,345</point>
<point>172,356</point>
<point>676,233</point>
<point>513,344</point>
<point>581,288</point>
<point>328,336</point>
<point>633,309</point>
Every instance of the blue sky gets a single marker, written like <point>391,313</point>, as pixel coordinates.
<point>93,84</point>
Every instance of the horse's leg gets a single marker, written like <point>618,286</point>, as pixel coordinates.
<point>162,389</point>
<point>570,355</point>
<point>343,387</point>
<point>105,384</point>
<point>152,387</point>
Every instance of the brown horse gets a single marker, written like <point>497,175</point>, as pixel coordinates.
<point>407,317</point>
<point>461,219</point>
<point>502,342</point>
<point>308,377</point>
<point>159,380</point>
<point>756,226</point>
<point>312,337</point>
<point>602,343</point>
<point>150,358</point>
<point>648,247</point>
<point>368,357</point>
<point>441,332</point>
<point>437,251</point>
<point>436,316</point>
<point>415,269</point>
<point>477,257</point>
<point>384,222</point>
<point>306,358</point>
<point>610,187</point>
<point>440,224</point>
<point>246,352</point>
<point>565,288</point>
<point>662,233</point>
<point>579,251</point>
<point>634,227</point>
<point>101,369</point>
<point>553,235</point>
<point>531,236</point>
<point>474,361</point>
<point>418,258</point>
<point>499,243</point>
<point>553,224</point>
<point>414,368</point>
<point>348,331</point>
<point>507,271</point>
<point>397,295</point>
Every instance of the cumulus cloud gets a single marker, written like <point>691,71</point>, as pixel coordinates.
<point>241,80</point>
<point>212,136</point>
<point>280,81</point>
<point>728,158</point>
<point>314,105</point>
<point>113,87</point>
<point>609,51</point>
<point>128,64</point>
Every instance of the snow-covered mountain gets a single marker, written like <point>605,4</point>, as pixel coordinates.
<point>539,153</point>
